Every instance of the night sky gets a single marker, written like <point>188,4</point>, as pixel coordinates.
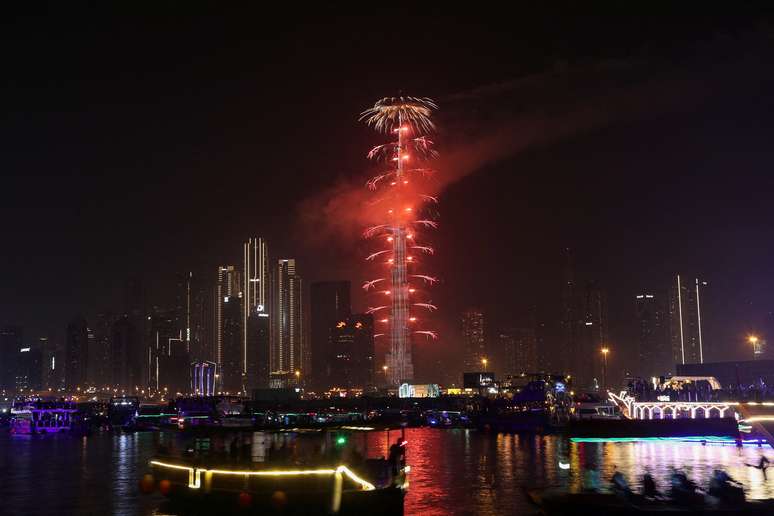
<point>145,143</point>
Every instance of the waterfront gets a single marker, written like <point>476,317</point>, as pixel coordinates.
<point>453,471</point>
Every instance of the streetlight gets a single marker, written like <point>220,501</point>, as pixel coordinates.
<point>384,370</point>
<point>604,351</point>
<point>484,361</point>
<point>753,339</point>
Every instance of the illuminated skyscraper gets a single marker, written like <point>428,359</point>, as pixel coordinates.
<point>473,339</point>
<point>255,294</point>
<point>685,324</point>
<point>228,284</point>
<point>287,348</point>
<point>258,335</point>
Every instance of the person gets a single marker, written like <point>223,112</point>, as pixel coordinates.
<point>763,465</point>
<point>649,486</point>
<point>620,486</point>
<point>397,455</point>
<point>590,478</point>
<point>725,488</point>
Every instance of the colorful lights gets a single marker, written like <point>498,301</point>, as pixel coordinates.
<point>409,119</point>
<point>194,474</point>
<point>701,439</point>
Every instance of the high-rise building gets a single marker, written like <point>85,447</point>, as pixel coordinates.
<point>99,373</point>
<point>329,304</point>
<point>654,356</point>
<point>11,342</point>
<point>520,349</point>
<point>256,289</point>
<point>203,378</point>
<point>349,358</point>
<point>685,324</point>
<point>569,320</point>
<point>593,337</point>
<point>474,346</point>
<point>161,327</point>
<point>200,342</point>
<point>127,355</point>
<point>258,334</point>
<point>287,348</point>
<point>228,285</point>
<point>51,356</point>
<point>76,354</point>
<point>231,365</point>
<point>29,368</point>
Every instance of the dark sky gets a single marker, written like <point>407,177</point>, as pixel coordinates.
<point>144,143</point>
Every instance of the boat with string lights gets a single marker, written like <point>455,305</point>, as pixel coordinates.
<point>269,472</point>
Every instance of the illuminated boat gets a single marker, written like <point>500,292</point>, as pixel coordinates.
<point>285,481</point>
<point>43,417</point>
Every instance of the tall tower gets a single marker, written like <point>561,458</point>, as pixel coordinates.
<point>473,339</point>
<point>255,289</point>
<point>287,350</point>
<point>228,285</point>
<point>402,209</point>
<point>569,318</point>
<point>76,354</point>
<point>653,354</point>
<point>329,304</point>
<point>685,323</point>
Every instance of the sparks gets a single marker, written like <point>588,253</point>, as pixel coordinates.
<point>408,119</point>
<point>371,284</point>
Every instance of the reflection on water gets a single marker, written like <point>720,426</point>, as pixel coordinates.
<point>453,471</point>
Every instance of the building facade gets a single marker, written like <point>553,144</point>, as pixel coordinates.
<point>474,344</point>
<point>329,304</point>
<point>288,347</point>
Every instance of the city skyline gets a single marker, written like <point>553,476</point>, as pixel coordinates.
<point>664,129</point>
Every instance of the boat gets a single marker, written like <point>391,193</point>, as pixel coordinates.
<point>276,472</point>
<point>43,417</point>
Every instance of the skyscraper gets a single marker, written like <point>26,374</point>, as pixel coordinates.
<point>127,355</point>
<point>99,351</point>
<point>256,289</point>
<point>200,342</point>
<point>76,354</point>
<point>228,285</point>
<point>569,320</point>
<point>593,337</point>
<point>685,325</point>
<point>258,335</point>
<point>329,304</point>
<point>653,352</point>
<point>520,348</point>
<point>10,342</point>
<point>287,349</point>
<point>231,368</point>
<point>165,337</point>
<point>349,358</point>
<point>473,339</point>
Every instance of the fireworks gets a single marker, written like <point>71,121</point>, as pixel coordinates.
<point>402,204</point>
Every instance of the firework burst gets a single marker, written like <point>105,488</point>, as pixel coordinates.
<point>400,200</point>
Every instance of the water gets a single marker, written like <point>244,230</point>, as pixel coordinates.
<point>453,471</point>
